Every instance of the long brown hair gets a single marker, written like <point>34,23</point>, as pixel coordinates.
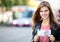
<point>36,17</point>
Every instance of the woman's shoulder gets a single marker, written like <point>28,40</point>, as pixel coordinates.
<point>56,24</point>
<point>38,24</point>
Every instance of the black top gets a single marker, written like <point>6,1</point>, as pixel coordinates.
<point>55,33</point>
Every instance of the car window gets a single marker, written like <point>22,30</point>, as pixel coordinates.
<point>27,14</point>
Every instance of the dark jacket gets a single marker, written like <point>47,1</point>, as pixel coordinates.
<point>55,33</point>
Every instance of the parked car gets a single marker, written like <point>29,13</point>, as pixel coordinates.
<point>23,18</point>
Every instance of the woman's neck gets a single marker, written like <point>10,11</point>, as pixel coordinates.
<point>46,21</point>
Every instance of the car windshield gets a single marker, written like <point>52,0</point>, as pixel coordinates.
<point>25,14</point>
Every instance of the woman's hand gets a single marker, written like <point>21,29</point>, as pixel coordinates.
<point>52,38</point>
<point>36,38</point>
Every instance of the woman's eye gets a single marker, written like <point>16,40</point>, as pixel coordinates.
<point>41,11</point>
<point>44,11</point>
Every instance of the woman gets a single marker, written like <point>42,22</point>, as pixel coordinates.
<point>44,20</point>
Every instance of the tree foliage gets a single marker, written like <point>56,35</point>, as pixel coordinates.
<point>9,3</point>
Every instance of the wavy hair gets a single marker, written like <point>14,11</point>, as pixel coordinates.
<point>36,17</point>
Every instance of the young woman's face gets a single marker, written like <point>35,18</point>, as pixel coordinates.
<point>44,12</point>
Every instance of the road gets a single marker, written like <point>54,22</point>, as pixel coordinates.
<point>15,34</point>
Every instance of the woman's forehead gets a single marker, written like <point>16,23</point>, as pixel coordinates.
<point>44,8</point>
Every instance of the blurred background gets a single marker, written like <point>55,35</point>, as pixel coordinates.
<point>16,18</point>
<point>19,12</point>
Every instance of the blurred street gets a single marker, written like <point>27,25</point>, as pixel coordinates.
<point>15,34</point>
<point>17,13</point>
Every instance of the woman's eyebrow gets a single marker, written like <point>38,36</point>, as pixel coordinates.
<point>46,10</point>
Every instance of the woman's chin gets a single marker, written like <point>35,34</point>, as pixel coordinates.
<point>44,18</point>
